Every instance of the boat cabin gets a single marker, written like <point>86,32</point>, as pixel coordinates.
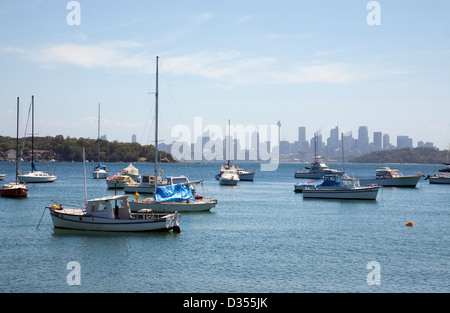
<point>171,180</point>
<point>111,207</point>
<point>334,180</point>
<point>386,172</point>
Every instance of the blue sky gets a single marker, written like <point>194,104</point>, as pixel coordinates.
<point>304,63</point>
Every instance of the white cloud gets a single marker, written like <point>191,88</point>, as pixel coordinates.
<point>223,68</point>
<point>117,54</point>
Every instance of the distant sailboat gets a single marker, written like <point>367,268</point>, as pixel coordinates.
<point>15,190</point>
<point>35,176</point>
<point>100,170</point>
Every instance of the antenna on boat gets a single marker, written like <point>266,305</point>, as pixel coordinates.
<point>84,174</point>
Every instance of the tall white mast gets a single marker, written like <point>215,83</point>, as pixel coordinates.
<point>156,127</point>
<point>98,135</point>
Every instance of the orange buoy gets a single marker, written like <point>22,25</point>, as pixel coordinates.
<point>409,223</point>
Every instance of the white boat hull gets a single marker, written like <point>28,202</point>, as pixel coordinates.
<point>369,193</point>
<point>141,223</point>
<point>245,177</point>
<point>139,188</point>
<point>404,181</point>
<point>99,174</point>
<point>228,182</point>
<point>167,207</point>
<point>36,177</point>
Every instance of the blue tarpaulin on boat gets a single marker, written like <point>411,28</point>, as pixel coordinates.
<point>33,166</point>
<point>175,193</point>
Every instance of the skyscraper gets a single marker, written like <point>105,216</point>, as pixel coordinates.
<point>377,141</point>
<point>363,139</point>
<point>386,143</point>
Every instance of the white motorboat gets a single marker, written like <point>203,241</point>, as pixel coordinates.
<point>388,177</point>
<point>119,181</point>
<point>173,198</point>
<point>35,176</point>
<point>440,178</point>
<point>242,174</point>
<point>111,213</point>
<point>100,171</point>
<point>337,186</point>
<point>235,171</point>
<point>2,176</point>
<point>229,179</point>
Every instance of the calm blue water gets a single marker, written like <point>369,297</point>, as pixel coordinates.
<point>261,237</point>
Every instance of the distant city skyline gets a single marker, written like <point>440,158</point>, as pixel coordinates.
<point>248,146</point>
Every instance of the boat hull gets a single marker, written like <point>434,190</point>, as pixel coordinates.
<point>92,223</point>
<point>228,182</point>
<point>404,181</point>
<point>369,193</point>
<point>139,188</point>
<point>439,180</point>
<point>314,175</point>
<point>167,207</point>
<point>36,178</point>
<point>99,174</point>
<point>244,177</point>
<point>16,191</point>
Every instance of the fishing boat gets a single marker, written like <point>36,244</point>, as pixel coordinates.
<point>341,186</point>
<point>439,178</point>
<point>388,177</point>
<point>100,171</point>
<point>173,198</point>
<point>110,213</point>
<point>17,189</point>
<point>35,176</point>
<point>318,168</point>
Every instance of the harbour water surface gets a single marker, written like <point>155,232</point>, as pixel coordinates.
<point>261,237</point>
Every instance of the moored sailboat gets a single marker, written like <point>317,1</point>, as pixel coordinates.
<point>35,176</point>
<point>100,171</point>
<point>17,189</point>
